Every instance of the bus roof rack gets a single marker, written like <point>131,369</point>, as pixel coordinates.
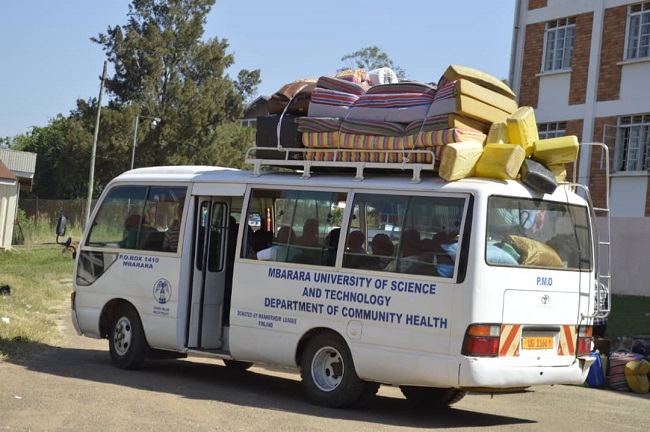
<point>294,158</point>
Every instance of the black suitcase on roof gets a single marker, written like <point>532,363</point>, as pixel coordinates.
<point>537,176</point>
<point>267,136</point>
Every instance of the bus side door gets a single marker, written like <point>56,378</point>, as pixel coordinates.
<point>210,272</point>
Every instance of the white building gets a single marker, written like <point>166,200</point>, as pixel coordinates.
<point>584,65</point>
<point>16,171</point>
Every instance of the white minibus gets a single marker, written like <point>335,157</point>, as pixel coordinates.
<point>357,281</point>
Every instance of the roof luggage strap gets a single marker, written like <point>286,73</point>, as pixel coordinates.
<point>278,128</point>
<point>334,161</point>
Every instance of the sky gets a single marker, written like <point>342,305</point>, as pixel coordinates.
<point>47,60</point>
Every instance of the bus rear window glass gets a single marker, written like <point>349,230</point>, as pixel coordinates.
<point>535,233</point>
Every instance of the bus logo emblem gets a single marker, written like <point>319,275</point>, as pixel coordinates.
<point>162,291</point>
<point>545,299</point>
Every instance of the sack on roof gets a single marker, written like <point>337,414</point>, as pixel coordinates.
<point>294,97</point>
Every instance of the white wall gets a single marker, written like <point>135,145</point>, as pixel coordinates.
<point>630,238</point>
<point>627,195</point>
<point>8,193</point>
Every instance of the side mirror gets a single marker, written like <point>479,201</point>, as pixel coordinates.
<point>61,225</point>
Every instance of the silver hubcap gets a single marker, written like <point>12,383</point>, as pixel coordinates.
<point>327,369</point>
<point>122,336</point>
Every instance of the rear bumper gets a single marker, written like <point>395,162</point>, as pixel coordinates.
<point>475,373</point>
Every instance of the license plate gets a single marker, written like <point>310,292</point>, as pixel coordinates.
<point>537,343</point>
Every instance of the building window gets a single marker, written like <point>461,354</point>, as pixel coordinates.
<point>632,151</point>
<point>551,130</point>
<point>558,44</point>
<point>638,31</point>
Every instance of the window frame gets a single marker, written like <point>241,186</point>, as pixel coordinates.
<point>289,209</point>
<point>636,15</point>
<point>566,27</point>
<point>637,128</point>
<point>406,223</point>
<point>502,228</point>
<point>551,130</point>
<point>147,206</point>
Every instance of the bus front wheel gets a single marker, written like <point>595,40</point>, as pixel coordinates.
<point>328,374</point>
<point>126,340</point>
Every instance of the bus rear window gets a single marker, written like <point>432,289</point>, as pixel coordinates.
<point>535,233</point>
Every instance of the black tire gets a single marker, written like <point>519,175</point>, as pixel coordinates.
<point>236,365</point>
<point>126,340</point>
<point>432,397</point>
<point>328,375</point>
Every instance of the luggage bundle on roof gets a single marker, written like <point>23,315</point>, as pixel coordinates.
<point>467,124</point>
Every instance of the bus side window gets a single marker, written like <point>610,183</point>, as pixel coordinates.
<point>414,235</point>
<point>303,220</point>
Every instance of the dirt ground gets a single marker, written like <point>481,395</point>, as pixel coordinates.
<point>74,387</point>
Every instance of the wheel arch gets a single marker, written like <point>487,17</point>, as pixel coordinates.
<point>316,331</point>
<point>108,313</point>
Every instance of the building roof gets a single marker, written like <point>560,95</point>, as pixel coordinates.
<point>6,174</point>
<point>21,164</point>
<point>257,107</point>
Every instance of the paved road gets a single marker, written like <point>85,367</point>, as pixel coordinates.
<point>74,387</point>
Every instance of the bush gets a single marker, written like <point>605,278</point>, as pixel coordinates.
<point>18,237</point>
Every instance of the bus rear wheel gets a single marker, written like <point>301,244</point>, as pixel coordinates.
<point>328,374</point>
<point>126,340</point>
<point>432,396</point>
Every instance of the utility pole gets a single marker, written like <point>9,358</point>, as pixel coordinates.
<point>91,178</point>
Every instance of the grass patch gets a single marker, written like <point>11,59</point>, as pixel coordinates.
<point>630,316</point>
<point>40,279</point>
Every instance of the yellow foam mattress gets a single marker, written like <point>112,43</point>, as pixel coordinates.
<point>522,128</point>
<point>500,161</point>
<point>498,134</point>
<point>490,97</point>
<point>456,72</point>
<point>459,160</point>
<point>559,150</point>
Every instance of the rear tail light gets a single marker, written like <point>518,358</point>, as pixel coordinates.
<point>584,340</point>
<point>482,340</point>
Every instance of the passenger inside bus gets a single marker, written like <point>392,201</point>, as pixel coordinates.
<point>136,230</point>
<point>355,254</point>
<point>382,252</point>
<point>311,250</point>
<point>332,244</point>
<point>409,250</point>
<point>260,240</point>
<point>170,242</point>
<point>309,236</point>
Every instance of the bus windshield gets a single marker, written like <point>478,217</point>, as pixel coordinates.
<point>536,233</point>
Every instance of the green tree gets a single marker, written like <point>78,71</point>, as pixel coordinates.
<point>55,166</point>
<point>370,58</point>
<point>164,68</point>
<point>246,84</point>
